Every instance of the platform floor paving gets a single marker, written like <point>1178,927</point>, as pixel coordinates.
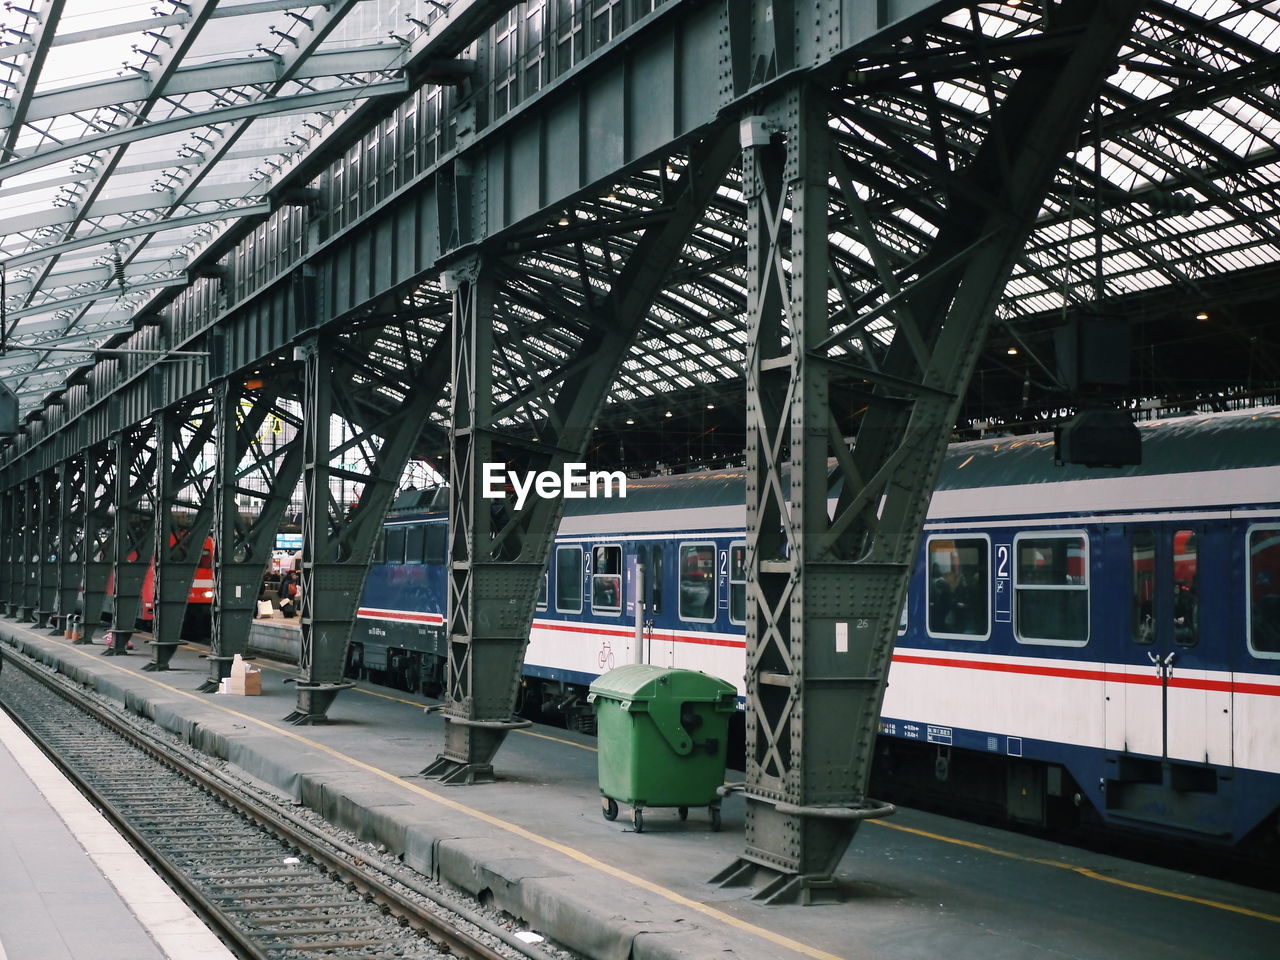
<point>71,887</point>
<point>534,843</point>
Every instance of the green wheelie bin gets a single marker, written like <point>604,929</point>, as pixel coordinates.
<point>661,736</point>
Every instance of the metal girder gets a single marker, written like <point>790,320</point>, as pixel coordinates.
<point>98,273</point>
<point>97,537</point>
<point>224,74</point>
<point>184,514</point>
<point>498,553</point>
<point>118,206</point>
<point>124,233</point>
<point>133,536</point>
<point>338,539</point>
<point>276,106</point>
<point>7,500</point>
<point>825,589</point>
<point>84,299</point>
<point>164,20</point>
<point>264,477</point>
<point>50,544</point>
<point>31,536</point>
<point>71,542</point>
<point>19,105</point>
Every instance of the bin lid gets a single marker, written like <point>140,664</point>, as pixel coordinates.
<point>637,683</point>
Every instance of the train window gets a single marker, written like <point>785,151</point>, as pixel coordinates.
<point>569,579</point>
<point>542,591</point>
<point>1051,588</point>
<point>958,590</point>
<point>437,542</point>
<point>1264,591</point>
<point>606,580</point>
<point>415,543</point>
<point>395,544</point>
<point>1186,589</point>
<point>902,618</point>
<point>380,547</point>
<point>1142,576</point>
<point>655,578</point>
<point>738,583</point>
<point>698,582</point>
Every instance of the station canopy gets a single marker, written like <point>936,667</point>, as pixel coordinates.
<point>136,134</point>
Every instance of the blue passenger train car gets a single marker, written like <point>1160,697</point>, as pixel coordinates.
<point>1074,642</point>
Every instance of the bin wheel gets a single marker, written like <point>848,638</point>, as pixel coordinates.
<point>637,820</point>
<point>609,807</point>
<point>684,812</point>
<point>715,819</point>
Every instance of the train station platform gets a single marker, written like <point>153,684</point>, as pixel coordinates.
<point>535,844</point>
<point>71,887</point>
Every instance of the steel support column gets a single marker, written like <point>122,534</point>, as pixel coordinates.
<point>6,546</point>
<point>498,553</point>
<point>13,551</point>
<point>182,485</point>
<point>98,536</point>
<point>70,541</point>
<point>321,656</point>
<point>825,586</point>
<point>337,538</point>
<point>242,547</point>
<point>133,536</point>
<point>50,545</point>
<point>30,598</point>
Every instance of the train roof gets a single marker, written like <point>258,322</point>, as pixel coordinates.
<point>1204,442</point>
<point>1179,450</point>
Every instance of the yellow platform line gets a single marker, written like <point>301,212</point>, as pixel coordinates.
<point>663,891</point>
<point>1082,871</point>
<point>505,825</point>
<point>415,703</point>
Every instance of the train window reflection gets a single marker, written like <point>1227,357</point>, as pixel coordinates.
<point>437,542</point>
<point>415,544</point>
<point>1142,567</point>
<point>698,582</point>
<point>1051,589</point>
<point>1186,589</point>
<point>542,591</point>
<point>1264,591</point>
<point>569,579</point>
<point>957,591</point>
<point>606,579</point>
<point>738,582</point>
<point>395,544</point>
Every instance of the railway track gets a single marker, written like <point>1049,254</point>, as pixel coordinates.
<point>273,884</point>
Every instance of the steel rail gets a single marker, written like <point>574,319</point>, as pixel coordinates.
<point>324,850</point>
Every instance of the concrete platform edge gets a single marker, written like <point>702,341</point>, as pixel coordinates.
<point>517,876</point>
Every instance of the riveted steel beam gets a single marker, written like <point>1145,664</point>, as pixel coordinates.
<point>32,532</point>
<point>338,538</point>
<point>71,543</point>
<point>825,588</point>
<point>99,532</point>
<point>184,515</point>
<point>257,470</point>
<point>498,552</point>
<point>19,104</point>
<point>133,534</point>
<point>49,513</point>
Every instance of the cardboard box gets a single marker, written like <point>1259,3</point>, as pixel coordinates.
<point>245,679</point>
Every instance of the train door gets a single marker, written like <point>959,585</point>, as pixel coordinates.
<point>659,644</point>
<point>1168,709</point>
